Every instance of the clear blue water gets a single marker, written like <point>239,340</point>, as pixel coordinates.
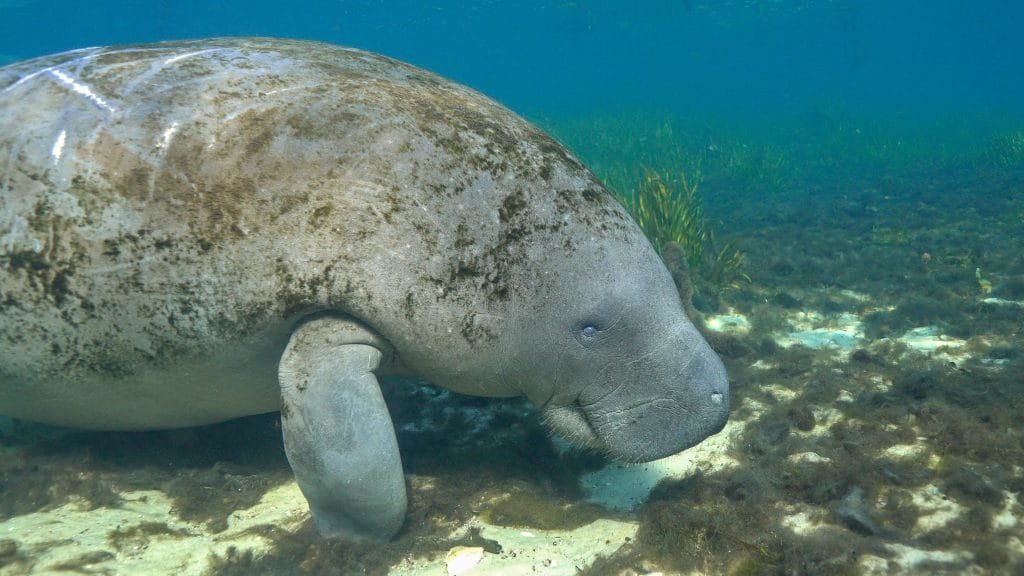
<point>751,58</point>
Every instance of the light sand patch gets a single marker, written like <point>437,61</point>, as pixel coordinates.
<point>123,539</point>
<point>625,487</point>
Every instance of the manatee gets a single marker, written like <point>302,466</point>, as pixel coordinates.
<point>196,231</point>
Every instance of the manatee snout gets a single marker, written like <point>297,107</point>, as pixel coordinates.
<point>670,407</point>
<point>664,423</point>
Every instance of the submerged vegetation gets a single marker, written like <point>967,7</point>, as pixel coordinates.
<point>622,147</point>
<point>669,212</point>
<point>755,159</point>
<point>1005,150</point>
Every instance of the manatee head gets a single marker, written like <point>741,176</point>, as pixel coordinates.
<point>634,377</point>
<point>611,358</point>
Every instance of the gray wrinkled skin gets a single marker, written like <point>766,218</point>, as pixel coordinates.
<point>170,212</point>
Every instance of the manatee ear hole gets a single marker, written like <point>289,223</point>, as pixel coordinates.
<point>590,333</point>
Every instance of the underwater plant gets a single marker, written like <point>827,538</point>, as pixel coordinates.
<point>617,145</point>
<point>983,283</point>
<point>1005,150</point>
<point>669,212</point>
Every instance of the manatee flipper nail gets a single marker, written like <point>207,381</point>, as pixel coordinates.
<point>337,430</point>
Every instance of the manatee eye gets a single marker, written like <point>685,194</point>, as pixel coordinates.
<point>588,331</point>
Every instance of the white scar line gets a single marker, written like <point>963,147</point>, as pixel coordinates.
<point>165,139</point>
<point>58,146</point>
<point>174,59</point>
<point>82,89</point>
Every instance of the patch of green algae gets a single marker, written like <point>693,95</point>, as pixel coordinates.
<point>139,535</point>
<point>527,510</point>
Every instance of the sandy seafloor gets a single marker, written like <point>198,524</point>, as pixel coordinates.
<point>877,372</point>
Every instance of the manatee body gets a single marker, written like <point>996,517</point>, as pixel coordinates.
<point>196,231</point>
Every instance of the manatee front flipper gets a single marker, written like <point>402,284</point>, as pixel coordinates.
<point>337,430</point>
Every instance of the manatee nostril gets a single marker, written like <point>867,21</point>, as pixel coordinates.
<point>716,398</point>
